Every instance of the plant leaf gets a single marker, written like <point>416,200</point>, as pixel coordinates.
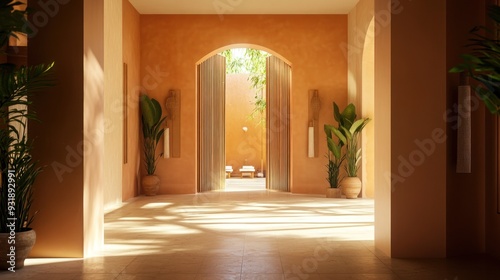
<point>336,113</point>
<point>349,115</point>
<point>340,135</point>
<point>358,125</point>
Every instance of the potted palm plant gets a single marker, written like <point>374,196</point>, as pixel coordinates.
<point>335,158</point>
<point>152,132</point>
<point>348,133</point>
<point>18,169</point>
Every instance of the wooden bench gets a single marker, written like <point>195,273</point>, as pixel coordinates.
<point>229,170</point>
<point>247,170</point>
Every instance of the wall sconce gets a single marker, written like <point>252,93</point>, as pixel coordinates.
<point>172,144</point>
<point>464,143</point>
<point>245,129</point>
<point>313,129</point>
<point>166,143</point>
<point>310,140</point>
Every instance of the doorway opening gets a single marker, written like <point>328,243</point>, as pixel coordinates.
<point>243,110</point>
<point>245,122</point>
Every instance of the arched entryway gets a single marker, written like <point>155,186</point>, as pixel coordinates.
<point>211,86</point>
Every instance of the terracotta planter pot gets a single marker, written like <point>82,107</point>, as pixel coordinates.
<point>150,184</point>
<point>351,187</point>
<point>333,192</point>
<point>24,242</point>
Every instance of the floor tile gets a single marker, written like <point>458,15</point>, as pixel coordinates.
<point>218,277</point>
<point>359,277</point>
<point>262,265</point>
<point>221,265</point>
<point>96,276</point>
<point>262,276</point>
<point>247,235</point>
<point>28,275</point>
<point>154,276</point>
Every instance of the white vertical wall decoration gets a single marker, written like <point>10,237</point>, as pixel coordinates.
<point>314,106</point>
<point>464,145</point>
<point>166,146</point>
<point>310,141</point>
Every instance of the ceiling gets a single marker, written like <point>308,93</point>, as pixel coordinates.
<point>228,7</point>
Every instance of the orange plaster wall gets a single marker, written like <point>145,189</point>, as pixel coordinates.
<point>132,57</point>
<point>465,225</point>
<point>59,200</point>
<point>382,127</point>
<point>171,45</point>
<point>492,179</point>
<point>242,148</point>
<point>418,103</point>
<point>361,85</point>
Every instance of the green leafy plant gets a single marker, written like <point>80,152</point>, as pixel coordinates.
<point>252,62</point>
<point>13,20</point>
<point>17,84</point>
<point>335,157</point>
<point>152,130</point>
<point>483,63</point>
<point>348,134</point>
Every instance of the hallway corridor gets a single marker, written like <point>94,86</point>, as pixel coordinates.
<point>255,235</point>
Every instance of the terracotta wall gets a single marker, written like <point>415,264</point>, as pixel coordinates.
<point>453,220</point>
<point>465,201</point>
<point>172,45</point>
<point>113,103</point>
<point>243,148</point>
<point>382,125</point>
<point>131,56</point>
<point>361,85</point>
<point>418,150</point>
<point>68,194</point>
<point>492,193</point>
<point>93,127</point>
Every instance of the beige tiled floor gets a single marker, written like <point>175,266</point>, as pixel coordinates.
<point>255,235</point>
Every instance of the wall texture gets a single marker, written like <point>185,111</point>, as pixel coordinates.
<point>243,148</point>
<point>465,196</point>
<point>68,194</point>
<point>418,146</point>
<point>113,103</point>
<point>382,125</point>
<point>131,56</point>
<point>492,165</point>
<point>361,84</point>
<point>459,214</point>
<point>172,45</point>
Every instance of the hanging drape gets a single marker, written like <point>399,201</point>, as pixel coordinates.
<point>211,142</point>
<point>278,83</point>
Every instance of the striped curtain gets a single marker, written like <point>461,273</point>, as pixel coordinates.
<point>211,142</point>
<point>278,82</point>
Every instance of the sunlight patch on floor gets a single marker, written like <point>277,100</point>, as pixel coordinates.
<point>186,223</point>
